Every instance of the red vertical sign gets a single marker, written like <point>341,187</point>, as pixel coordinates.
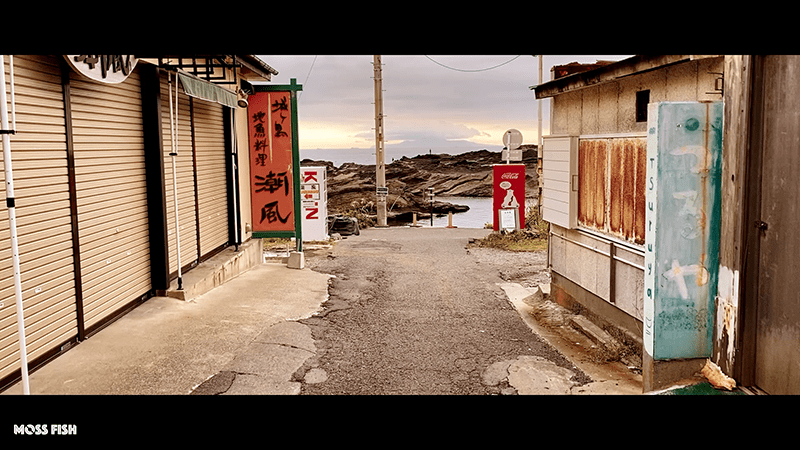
<point>271,181</point>
<point>508,190</point>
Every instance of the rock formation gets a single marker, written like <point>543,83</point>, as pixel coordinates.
<point>408,179</point>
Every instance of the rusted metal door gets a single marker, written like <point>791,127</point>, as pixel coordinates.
<point>777,346</point>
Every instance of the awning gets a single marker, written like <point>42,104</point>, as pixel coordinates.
<point>205,90</point>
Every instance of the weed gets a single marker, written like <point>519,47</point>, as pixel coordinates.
<point>530,239</point>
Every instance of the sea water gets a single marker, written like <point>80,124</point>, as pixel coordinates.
<point>366,156</point>
<point>480,208</point>
<point>478,216</point>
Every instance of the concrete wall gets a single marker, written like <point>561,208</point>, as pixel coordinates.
<point>606,268</point>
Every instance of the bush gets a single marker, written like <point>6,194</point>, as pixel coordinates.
<point>532,238</point>
<point>364,211</point>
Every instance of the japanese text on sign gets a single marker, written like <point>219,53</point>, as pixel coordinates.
<point>270,123</point>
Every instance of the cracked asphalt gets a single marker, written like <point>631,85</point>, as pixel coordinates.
<point>413,311</point>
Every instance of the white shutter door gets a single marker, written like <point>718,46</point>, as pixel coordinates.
<point>184,164</point>
<point>212,186</point>
<point>111,194</point>
<point>39,163</point>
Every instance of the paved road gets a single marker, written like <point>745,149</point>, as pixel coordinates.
<point>411,311</point>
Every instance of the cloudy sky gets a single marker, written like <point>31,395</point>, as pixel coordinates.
<point>445,104</point>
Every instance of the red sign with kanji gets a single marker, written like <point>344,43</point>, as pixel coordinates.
<point>271,181</point>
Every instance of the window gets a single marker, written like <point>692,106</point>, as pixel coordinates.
<point>642,99</point>
<point>611,186</point>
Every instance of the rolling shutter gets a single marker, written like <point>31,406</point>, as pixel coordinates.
<point>111,195</point>
<point>184,163</point>
<point>212,190</point>
<point>41,188</point>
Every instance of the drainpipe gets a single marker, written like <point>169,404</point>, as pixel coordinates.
<point>12,218</point>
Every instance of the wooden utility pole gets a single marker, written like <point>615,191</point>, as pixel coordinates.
<point>380,169</point>
<point>539,149</point>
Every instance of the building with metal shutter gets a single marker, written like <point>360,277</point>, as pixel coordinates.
<point>94,191</point>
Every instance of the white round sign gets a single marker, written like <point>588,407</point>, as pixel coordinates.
<point>103,68</point>
<point>512,139</point>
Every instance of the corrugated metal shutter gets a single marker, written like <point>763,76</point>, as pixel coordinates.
<point>111,194</point>
<point>212,186</point>
<point>39,153</point>
<point>186,179</point>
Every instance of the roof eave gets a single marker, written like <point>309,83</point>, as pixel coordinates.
<point>620,69</point>
<point>257,66</point>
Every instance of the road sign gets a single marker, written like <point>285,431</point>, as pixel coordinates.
<point>382,190</point>
<point>512,139</point>
<point>512,155</point>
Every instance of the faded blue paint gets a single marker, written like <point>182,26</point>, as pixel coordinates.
<point>684,154</point>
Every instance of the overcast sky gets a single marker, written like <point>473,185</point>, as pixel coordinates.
<point>465,106</point>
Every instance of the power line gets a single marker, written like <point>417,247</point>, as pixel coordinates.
<point>309,74</point>
<point>472,70</point>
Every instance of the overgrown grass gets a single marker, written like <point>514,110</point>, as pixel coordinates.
<point>531,239</point>
<point>363,211</point>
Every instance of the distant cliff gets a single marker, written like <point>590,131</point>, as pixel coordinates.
<point>408,179</point>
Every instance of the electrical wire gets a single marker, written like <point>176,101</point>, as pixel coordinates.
<point>308,75</point>
<point>472,70</point>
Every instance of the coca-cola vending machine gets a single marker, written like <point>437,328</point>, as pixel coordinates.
<point>508,195</point>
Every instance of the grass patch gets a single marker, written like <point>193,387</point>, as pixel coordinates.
<point>517,241</point>
<point>531,239</point>
<point>287,244</point>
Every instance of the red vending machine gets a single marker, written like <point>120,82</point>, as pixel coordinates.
<point>508,193</point>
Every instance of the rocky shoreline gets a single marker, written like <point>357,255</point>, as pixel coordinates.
<point>352,186</point>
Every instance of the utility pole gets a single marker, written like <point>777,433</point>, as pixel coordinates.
<point>539,146</point>
<point>380,169</point>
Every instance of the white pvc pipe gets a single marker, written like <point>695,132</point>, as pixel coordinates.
<point>13,101</point>
<point>173,127</point>
<point>12,220</point>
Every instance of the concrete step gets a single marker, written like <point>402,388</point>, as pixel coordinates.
<point>217,270</point>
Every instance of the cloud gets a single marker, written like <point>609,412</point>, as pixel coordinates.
<point>425,104</point>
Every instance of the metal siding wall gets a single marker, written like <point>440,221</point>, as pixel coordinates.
<point>43,217</point>
<point>184,163</point>
<point>212,183</point>
<point>111,194</point>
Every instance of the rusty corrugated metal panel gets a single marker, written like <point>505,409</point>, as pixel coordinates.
<point>592,180</point>
<point>611,186</point>
<point>591,185</point>
<point>639,199</point>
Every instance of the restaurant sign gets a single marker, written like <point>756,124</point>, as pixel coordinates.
<point>274,161</point>
<point>103,68</point>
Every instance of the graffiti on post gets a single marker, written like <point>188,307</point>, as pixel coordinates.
<point>682,228</point>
